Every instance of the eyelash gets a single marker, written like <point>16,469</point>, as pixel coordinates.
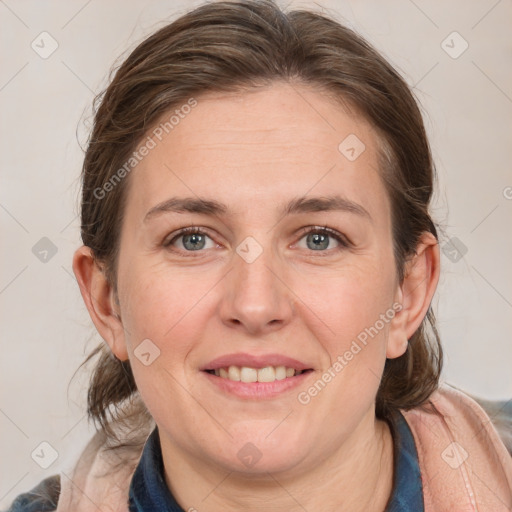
<point>323,230</point>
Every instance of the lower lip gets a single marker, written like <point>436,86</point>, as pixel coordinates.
<point>257,390</point>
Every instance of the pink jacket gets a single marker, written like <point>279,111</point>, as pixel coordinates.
<point>465,466</point>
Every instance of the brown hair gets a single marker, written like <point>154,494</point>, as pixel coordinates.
<point>234,46</point>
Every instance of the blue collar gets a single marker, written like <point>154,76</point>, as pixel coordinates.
<point>149,492</point>
<point>407,487</point>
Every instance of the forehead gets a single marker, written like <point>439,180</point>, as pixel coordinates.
<point>261,148</point>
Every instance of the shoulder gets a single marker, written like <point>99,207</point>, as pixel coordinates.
<point>485,418</point>
<point>458,415</point>
<point>42,498</point>
<point>500,413</point>
<point>463,460</point>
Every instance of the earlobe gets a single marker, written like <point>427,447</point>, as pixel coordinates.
<point>99,299</point>
<point>415,294</point>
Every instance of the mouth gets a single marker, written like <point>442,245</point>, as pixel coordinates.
<point>247,374</point>
<point>256,376</point>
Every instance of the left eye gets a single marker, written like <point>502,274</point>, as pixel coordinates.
<point>319,239</point>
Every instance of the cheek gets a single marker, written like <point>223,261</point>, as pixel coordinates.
<point>169,312</point>
<point>349,299</point>
<point>352,305</point>
<point>168,307</point>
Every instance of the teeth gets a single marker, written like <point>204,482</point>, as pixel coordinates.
<point>280,372</point>
<point>234,373</point>
<point>247,374</point>
<point>267,374</point>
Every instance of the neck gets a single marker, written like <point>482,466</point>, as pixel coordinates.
<point>357,476</point>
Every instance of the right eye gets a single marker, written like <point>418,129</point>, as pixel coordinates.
<point>190,239</point>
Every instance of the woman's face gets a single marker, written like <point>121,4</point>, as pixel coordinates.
<point>252,288</point>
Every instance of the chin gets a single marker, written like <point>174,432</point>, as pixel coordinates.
<point>259,464</point>
<point>259,455</point>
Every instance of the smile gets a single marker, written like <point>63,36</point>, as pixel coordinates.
<point>256,376</point>
<point>248,374</point>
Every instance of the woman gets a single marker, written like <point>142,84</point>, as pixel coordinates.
<point>260,260</point>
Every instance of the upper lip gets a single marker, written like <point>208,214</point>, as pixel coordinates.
<point>255,361</point>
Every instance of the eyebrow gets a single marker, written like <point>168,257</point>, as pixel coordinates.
<point>295,206</point>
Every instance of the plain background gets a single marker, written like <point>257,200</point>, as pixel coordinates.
<point>46,108</point>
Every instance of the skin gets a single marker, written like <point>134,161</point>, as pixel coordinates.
<point>255,151</point>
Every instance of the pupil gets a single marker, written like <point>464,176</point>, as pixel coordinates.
<point>320,241</point>
<point>193,239</point>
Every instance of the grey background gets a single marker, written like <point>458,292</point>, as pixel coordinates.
<point>45,327</point>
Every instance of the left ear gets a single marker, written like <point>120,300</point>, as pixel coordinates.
<point>421,275</point>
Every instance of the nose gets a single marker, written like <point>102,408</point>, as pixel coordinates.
<point>256,298</point>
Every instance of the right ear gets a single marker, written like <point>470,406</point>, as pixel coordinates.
<point>100,300</point>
